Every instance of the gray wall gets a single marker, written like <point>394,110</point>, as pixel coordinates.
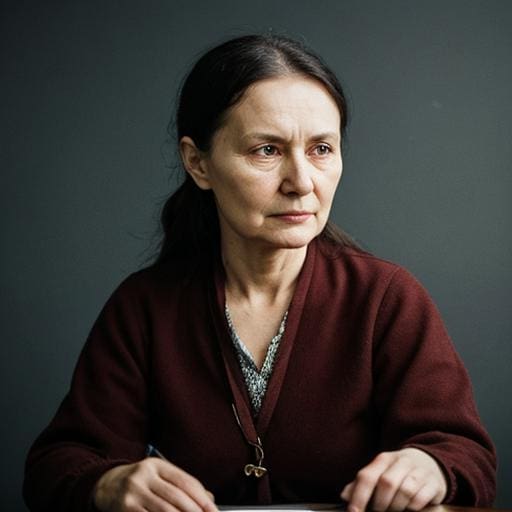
<point>86,91</point>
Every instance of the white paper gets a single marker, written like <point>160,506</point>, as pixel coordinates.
<point>299,507</point>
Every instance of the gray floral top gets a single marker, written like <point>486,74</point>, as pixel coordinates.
<point>255,380</point>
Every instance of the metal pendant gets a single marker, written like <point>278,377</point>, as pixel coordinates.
<point>257,471</point>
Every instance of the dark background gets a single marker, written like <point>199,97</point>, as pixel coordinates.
<point>87,88</point>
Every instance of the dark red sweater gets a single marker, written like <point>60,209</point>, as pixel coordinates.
<point>365,365</point>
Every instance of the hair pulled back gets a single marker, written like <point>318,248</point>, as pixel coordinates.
<point>217,82</point>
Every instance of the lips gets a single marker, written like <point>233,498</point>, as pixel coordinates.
<point>295,212</point>
<point>294,216</point>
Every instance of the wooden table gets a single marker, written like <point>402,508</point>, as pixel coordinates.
<point>450,508</point>
<point>339,507</point>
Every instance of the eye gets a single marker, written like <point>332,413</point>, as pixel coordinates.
<point>322,149</point>
<point>267,150</point>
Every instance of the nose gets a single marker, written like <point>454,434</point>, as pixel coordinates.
<point>297,177</point>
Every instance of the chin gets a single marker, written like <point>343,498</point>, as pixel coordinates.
<point>294,241</point>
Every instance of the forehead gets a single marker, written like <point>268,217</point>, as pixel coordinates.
<point>285,103</point>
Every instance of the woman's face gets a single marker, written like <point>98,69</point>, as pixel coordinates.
<point>275,163</point>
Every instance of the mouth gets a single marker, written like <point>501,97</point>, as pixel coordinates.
<point>294,216</point>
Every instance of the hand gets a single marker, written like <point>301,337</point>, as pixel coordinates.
<point>152,485</point>
<point>404,479</point>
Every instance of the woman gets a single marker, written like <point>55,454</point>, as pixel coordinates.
<point>265,356</point>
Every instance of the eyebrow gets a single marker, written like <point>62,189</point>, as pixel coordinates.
<point>271,137</point>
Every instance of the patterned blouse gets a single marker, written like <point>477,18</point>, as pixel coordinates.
<point>255,380</point>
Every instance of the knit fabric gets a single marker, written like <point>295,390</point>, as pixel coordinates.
<point>365,366</point>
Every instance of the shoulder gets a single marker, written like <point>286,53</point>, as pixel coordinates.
<point>155,285</point>
<point>365,276</point>
<point>359,265</point>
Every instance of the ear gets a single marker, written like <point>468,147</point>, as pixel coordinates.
<point>194,162</point>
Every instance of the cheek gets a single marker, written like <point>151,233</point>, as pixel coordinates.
<point>236,198</point>
<point>245,193</point>
<point>329,187</point>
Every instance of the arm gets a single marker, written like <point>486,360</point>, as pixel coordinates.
<point>92,455</point>
<point>435,448</point>
<point>101,423</point>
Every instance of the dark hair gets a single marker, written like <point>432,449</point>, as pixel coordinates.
<point>217,82</point>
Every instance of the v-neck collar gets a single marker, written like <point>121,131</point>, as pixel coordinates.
<point>242,347</point>
<point>256,428</point>
<point>256,379</point>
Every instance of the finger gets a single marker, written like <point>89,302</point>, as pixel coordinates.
<point>346,493</point>
<point>426,495</point>
<point>155,503</point>
<point>188,484</point>
<point>389,484</point>
<point>366,481</point>
<point>173,495</point>
<point>407,491</point>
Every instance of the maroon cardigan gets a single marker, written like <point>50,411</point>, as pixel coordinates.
<point>365,365</point>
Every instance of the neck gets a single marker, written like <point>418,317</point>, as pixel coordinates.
<point>261,275</point>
